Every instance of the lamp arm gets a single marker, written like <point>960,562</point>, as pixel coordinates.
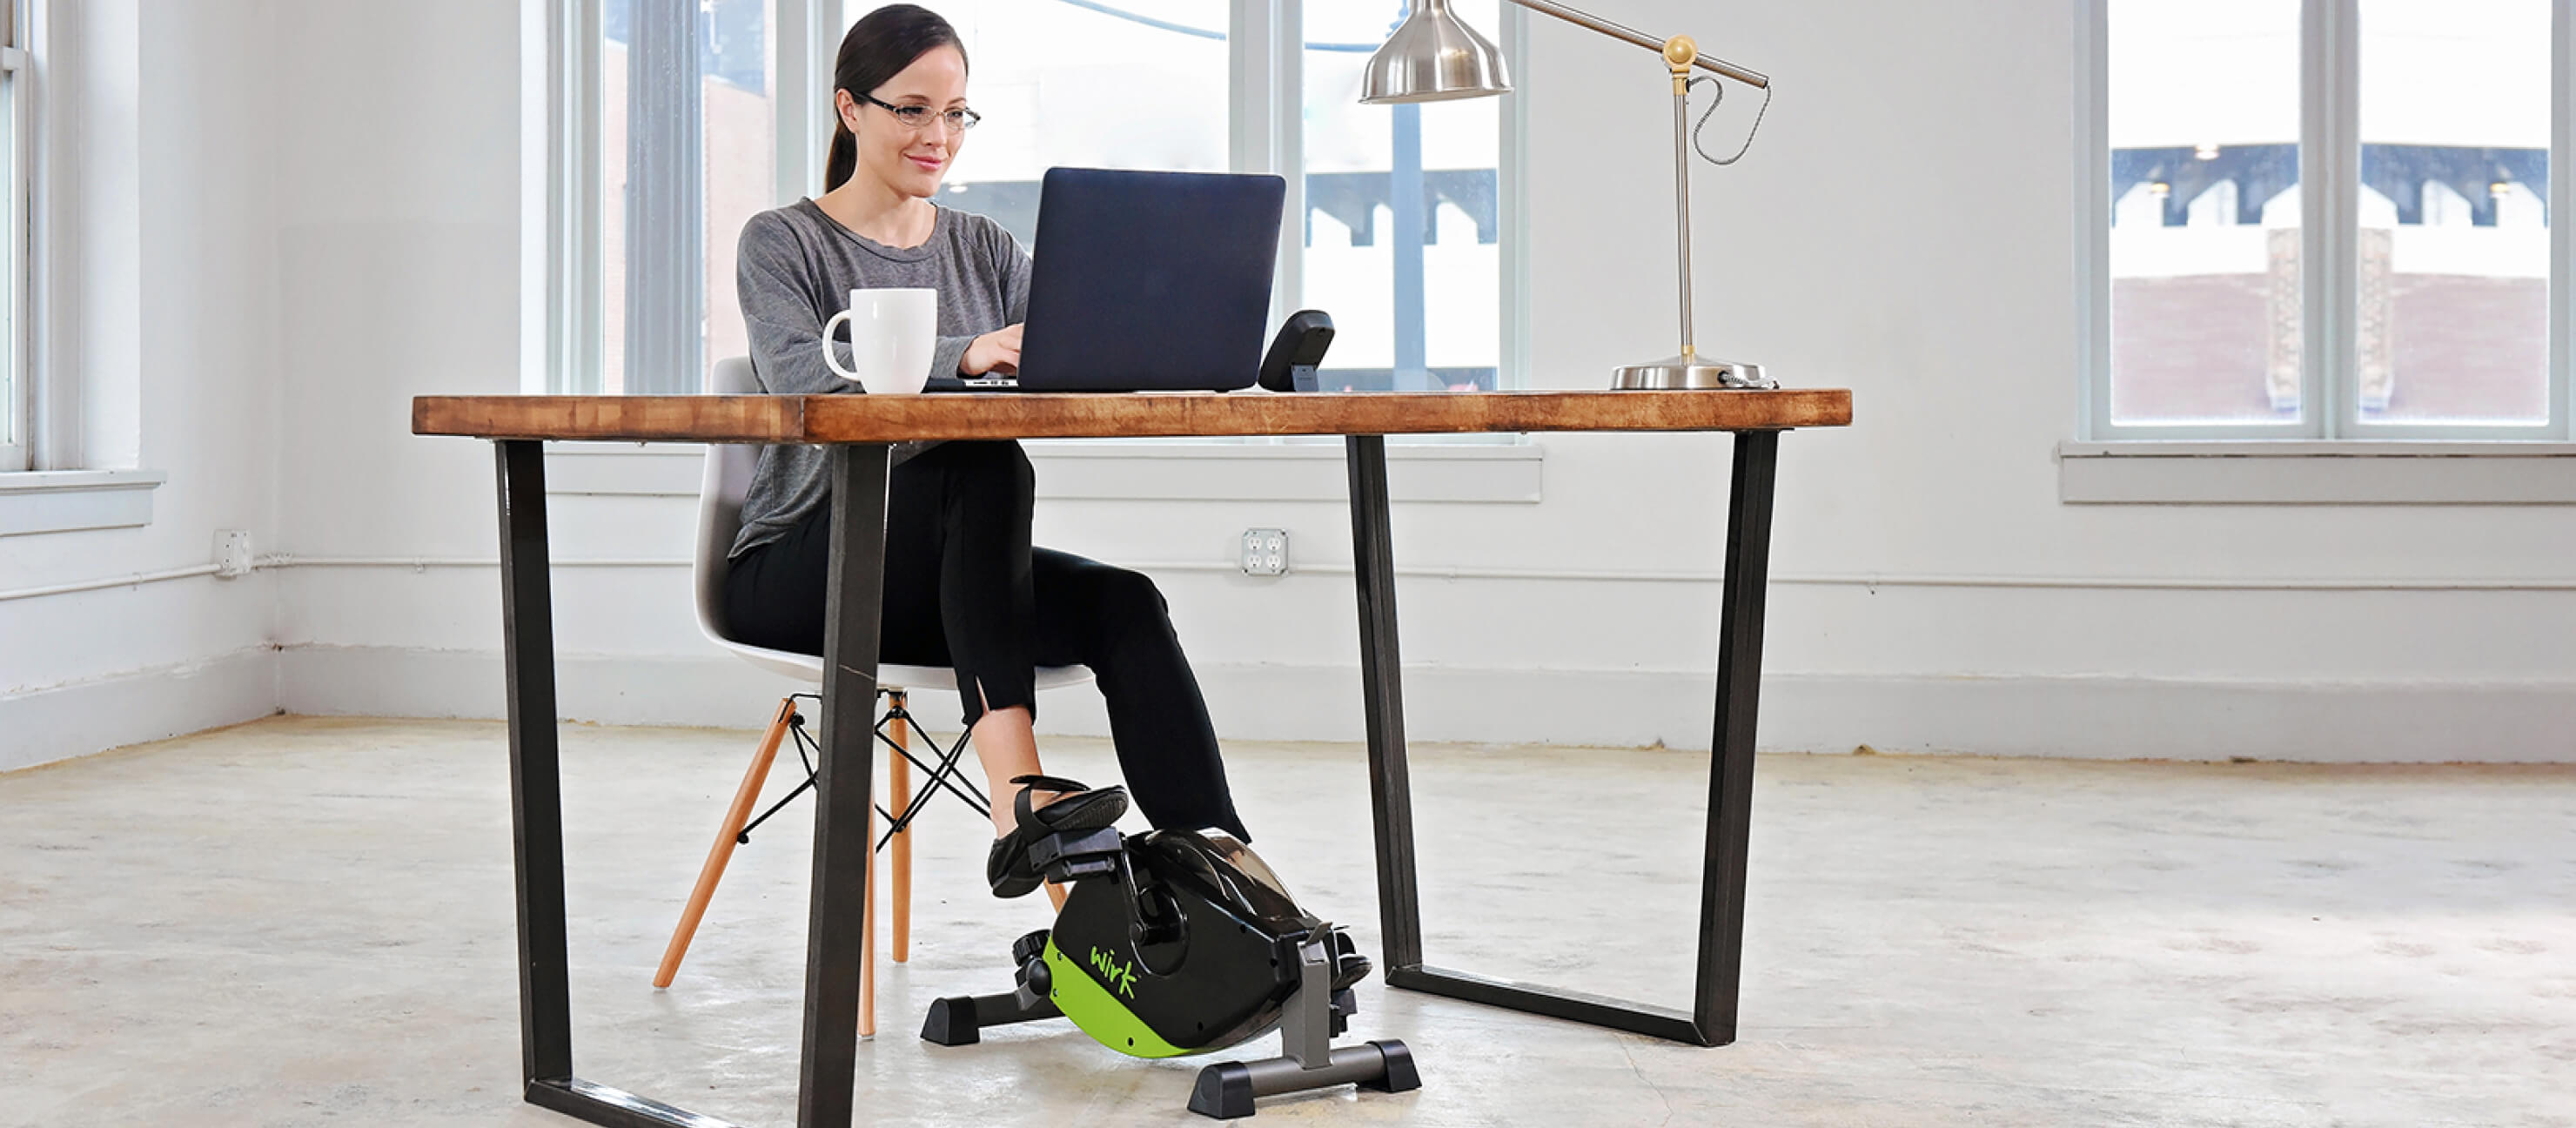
<point>1751,78</point>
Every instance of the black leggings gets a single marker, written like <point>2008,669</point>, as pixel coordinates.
<point>964,589</point>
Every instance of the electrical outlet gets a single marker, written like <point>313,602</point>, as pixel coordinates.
<point>232,553</point>
<point>1265,552</point>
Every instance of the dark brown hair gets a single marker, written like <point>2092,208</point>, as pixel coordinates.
<point>878,48</point>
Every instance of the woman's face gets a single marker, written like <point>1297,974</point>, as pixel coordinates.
<point>910,161</point>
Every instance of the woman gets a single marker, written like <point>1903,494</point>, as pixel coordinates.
<point>963,586</point>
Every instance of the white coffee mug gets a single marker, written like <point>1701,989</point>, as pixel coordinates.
<point>892,334</point>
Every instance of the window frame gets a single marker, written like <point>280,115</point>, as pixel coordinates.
<point>2330,191</point>
<point>17,441</point>
<point>1265,134</point>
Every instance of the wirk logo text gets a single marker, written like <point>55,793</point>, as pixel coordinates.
<point>1121,976</point>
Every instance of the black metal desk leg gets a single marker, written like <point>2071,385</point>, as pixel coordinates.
<point>1711,1020</point>
<point>1382,680</point>
<point>844,782</point>
<point>536,777</point>
<point>1739,693</point>
<point>536,815</point>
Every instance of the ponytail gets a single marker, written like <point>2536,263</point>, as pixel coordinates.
<point>843,159</point>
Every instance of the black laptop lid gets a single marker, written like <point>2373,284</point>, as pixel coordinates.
<point>1150,281</point>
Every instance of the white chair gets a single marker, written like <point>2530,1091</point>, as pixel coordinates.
<point>728,476</point>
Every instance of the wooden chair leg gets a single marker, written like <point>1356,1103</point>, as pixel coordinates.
<point>868,929</point>
<point>744,797</point>
<point>899,772</point>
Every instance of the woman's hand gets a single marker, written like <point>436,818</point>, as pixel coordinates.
<point>997,352</point>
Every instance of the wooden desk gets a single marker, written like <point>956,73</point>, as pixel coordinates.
<point>859,430</point>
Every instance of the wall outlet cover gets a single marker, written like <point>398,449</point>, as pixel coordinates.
<point>232,553</point>
<point>1265,552</point>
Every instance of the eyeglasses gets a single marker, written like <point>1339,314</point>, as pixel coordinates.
<point>919,117</point>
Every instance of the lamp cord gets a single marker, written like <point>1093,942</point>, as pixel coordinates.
<point>1712,112</point>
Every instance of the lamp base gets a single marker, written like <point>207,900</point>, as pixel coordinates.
<point>1692,372</point>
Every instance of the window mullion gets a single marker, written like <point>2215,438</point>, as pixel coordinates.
<point>1251,84</point>
<point>1511,191</point>
<point>2093,223</point>
<point>16,438</point>
<point>2341,408</point>
<point>2330,175</point>
<point>665,303</point>
<point>577,296</point>
<point>2562,233</point>
<point>1267,76</point>
<point>808,42</point>
<point>1288,141</point>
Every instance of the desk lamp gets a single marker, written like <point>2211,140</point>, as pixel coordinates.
<point>1433,57</point>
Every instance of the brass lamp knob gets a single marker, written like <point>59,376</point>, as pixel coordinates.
<point>1681,52</point>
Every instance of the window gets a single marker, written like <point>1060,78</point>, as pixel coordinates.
<point>681,161</point>
<point>689,152</point>
<point>17,395</point>
<point>1403,228</point>
<point>2330,219</point>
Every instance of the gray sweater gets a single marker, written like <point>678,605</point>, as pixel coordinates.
<point>796,268</point>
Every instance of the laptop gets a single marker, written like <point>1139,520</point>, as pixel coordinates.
<point>1146,281</point>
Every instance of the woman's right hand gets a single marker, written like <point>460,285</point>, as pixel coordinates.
<point>997,352</point>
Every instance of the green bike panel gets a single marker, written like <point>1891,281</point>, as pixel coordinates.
<point>1099,1013</point>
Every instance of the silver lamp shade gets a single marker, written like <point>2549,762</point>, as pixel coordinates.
<point>1433,58</point>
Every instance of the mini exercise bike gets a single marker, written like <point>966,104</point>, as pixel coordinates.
<point>1177,943</point>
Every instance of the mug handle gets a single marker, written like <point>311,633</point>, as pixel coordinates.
<point>832,359</point>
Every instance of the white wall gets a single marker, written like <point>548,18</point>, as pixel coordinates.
<point>399,230</point>
<point>159,118</point>
<point>1904,227</point>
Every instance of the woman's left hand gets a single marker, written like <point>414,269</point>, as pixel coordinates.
<point>994,352</point>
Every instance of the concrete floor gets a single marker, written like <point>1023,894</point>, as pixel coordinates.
<point>306,921</point>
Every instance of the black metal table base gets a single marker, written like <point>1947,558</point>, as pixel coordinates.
<point>842,802</point>
<point>1711,1019</point>
<point>618,1108</point>
<point>843,798</point>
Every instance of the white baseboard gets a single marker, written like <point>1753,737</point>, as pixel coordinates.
<point>2144,718</point>
<point>2096,718</point>
<point>61,722</point>
<point>609,689</point>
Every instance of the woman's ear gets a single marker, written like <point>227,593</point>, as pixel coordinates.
<point>846,108</point>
